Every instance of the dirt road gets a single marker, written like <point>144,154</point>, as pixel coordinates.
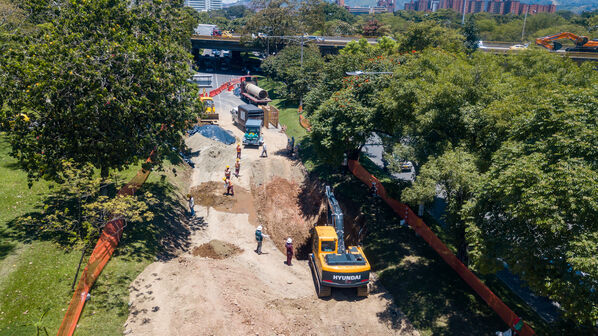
<point>244,293</point>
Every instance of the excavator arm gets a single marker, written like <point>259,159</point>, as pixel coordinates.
<point>582,43</point>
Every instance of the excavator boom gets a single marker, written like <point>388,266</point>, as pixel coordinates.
<point>582,43</point>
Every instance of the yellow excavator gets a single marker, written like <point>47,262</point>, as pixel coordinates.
<point>333,264</point>
<point>209,114</point>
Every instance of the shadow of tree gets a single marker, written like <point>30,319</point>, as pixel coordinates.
<point>167,233</point>
<point>162,237</point>
<point>5,249</point>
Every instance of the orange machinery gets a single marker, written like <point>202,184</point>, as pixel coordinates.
<point>582,43</point>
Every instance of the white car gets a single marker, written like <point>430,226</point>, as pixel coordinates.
<point>406,166</point>
<point>518,47</point>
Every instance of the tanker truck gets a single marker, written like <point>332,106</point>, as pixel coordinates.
<point>253,94</point>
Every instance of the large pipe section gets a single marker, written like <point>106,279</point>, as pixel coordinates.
<point>256,91</point>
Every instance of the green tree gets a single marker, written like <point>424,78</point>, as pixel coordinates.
<point>453,176</point>
<point>471,33</point>
<point>286,68</point>
<point>341,125</point>
<point>96,84</point>
<point>274,18</point>
<point>424,35</point>
<point>536,207</point>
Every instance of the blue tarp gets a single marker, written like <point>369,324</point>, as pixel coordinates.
<point>213,132</point>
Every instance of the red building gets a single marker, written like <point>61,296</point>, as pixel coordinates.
<point>475,6</point>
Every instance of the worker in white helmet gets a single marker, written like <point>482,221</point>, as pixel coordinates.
<point>289,246</point>
<point>259,236</point>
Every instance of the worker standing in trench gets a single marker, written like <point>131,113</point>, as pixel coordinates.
<point>259,237</point>
<point>227,172</point>
<point>229,188</point>
<point>237,168</point>
<point>289,246</point>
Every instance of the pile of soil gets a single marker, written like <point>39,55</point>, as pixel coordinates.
<point>287,210</point>
<point>216,249</point>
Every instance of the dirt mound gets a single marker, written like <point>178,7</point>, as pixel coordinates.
<point>216,249</point>
<point>283,215</point>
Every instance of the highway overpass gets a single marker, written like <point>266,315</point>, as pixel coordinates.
<point>331,44</point>
<point>327,44</point>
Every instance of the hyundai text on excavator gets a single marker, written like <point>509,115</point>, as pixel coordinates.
<point>332,263</point>
<point>582,43</point>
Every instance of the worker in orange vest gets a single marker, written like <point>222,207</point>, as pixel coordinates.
<point>229,188</point>
<point>227,172</point>
<point>238,150</point>
<point>237,167</point>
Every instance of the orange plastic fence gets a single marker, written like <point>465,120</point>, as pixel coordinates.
<point>449,257</point>
<point>98,259</point>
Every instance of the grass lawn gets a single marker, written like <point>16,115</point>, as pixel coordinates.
<point>287,111</point>
<point>36,276</point>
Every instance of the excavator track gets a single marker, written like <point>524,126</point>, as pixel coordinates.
<point>362,291</point>
<point>321,290</point>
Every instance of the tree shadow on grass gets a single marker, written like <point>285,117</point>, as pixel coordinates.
<point>425,289</point>
<point>5,249</point>
<point>163,237</point>
<point>167,234</point>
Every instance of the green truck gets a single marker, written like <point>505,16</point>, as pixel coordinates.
<point>250,119</point>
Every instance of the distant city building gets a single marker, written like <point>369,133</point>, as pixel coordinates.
<point>204,5</point>
<point>383,6</point>
<point>476,6</point>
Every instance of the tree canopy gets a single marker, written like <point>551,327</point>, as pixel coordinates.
<point>508,142</point>
<point>96,83</point>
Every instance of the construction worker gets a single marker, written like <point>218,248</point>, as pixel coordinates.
<point>289,246</point>
<point>229,188</point>
<point>259,237</point>
<point>227,172</point>
<point>225,183</point>
<point>264,151</point>
<point>191,204</point>
<point>238,150</point>
<point>374,189</point>
<point>237,167</point>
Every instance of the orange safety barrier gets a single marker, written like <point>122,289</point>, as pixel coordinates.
<point>449,257</point>
<point>99,257</point>
<point>304,123</point>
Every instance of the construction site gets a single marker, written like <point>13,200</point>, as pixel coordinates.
<point>220,285</point>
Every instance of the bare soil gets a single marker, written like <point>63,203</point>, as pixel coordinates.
<point>222,287</point>
<point>216,249</point>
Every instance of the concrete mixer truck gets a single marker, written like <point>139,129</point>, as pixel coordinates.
<point>253,94</point>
